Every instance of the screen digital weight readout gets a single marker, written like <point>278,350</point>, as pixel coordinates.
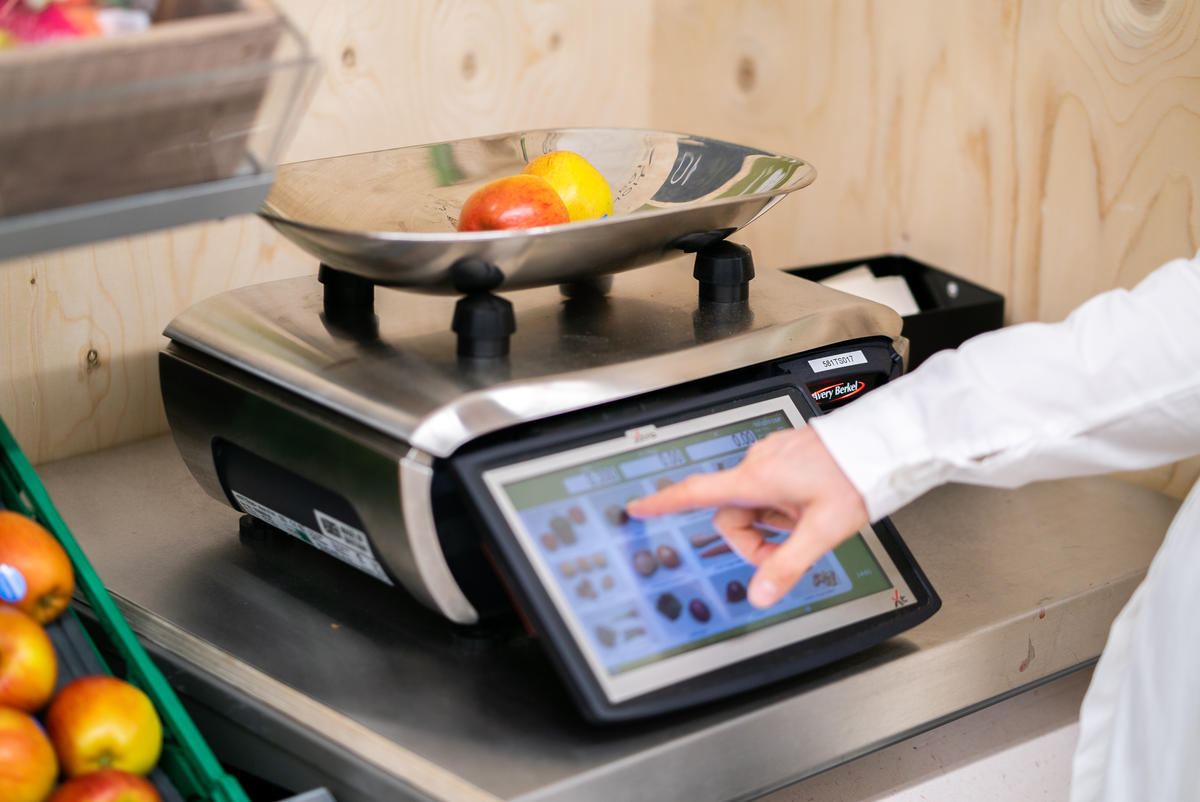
<point>641,592</point>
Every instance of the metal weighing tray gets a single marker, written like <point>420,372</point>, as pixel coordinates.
<point>390,216</point>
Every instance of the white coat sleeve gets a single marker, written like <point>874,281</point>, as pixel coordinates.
<point>1115,386</point>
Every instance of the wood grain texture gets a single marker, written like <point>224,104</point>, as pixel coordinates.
<point>393,74</point>
<point>1049,150</point>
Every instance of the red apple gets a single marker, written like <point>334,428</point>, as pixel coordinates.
<point>28,666</point>
<point>35,572</point>
<point>518,201</point>
<point>99,722</point>
<point>27,764</point>
<point>106,785</point>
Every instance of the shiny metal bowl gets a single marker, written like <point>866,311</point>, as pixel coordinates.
<point>391,216</point>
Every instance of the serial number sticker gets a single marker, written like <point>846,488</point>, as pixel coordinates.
<point>837,361</point>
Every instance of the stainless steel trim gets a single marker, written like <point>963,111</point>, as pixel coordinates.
<point>416,501</point>
<point>305,714</point>
<point>205,399</point>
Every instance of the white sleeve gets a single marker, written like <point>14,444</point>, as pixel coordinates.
<point>1116,386</point>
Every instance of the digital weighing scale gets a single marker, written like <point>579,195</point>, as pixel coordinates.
<point>420,439</point>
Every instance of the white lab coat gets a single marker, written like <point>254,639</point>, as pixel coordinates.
<point>1116,386</point>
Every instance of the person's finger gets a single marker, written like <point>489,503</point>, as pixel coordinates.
<point>777,520</point>
<point>697,491</point>
<point>737,526</point>
<point>782,568</point>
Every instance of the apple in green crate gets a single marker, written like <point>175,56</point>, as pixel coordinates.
<point>28,766</point>
<point>106,785</point>
<point>35,571</point>
<point>28,666</point>
<point>98,722</point>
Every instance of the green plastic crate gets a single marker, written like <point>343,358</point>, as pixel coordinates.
<point>186,758</point>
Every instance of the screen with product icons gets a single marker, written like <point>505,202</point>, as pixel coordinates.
<point>638,592</point>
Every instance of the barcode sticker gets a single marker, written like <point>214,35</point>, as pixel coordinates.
<point>335,537</point>
<point>349,544</point>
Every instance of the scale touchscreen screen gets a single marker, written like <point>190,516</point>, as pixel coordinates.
<point>642,592</point>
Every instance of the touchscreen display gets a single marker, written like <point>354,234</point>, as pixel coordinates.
<point>640,592</point>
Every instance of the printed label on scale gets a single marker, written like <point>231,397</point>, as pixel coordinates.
<point>837,361</point>
<point>336,538</point>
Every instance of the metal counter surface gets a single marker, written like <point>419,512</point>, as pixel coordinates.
<point>305,671</point>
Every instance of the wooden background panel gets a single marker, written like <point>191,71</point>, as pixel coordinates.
<point>407,73</point>
<point>1048,150</point>
<point>393,74</point>
<point>82,328</point>
<point>1107,114</point>
<point>904,109</point>
<point>798,78</point>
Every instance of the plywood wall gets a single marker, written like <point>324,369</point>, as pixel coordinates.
<point>80,328</point>
<point>1049,150</point>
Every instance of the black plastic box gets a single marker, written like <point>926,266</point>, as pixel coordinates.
<point>952,309</point>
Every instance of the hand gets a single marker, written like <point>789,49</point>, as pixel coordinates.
<point>787,481</point>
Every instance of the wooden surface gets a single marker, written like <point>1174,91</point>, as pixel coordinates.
<point>1047,150</point>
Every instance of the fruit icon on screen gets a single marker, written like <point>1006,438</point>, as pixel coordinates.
<point>644,562</point>
<point>606,635</point>
<point>669,605</point>
<point>616,515</point>
<point>563,530</point>
<point>667,556</point>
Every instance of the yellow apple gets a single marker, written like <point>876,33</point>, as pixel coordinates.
<point>98,722</point>
<point>579,184</point>
<point>28,666</point>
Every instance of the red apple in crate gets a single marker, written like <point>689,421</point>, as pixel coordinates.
<point>518,201</point>
<point>106,785</point>
<point>98,722</point>
<point>28,767</point>
<point>35,572</point>
<point>28,666</point>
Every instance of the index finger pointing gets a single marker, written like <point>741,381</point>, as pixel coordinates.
<point>698,491</point>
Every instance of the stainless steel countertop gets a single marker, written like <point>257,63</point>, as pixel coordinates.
<point>361,682</point>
